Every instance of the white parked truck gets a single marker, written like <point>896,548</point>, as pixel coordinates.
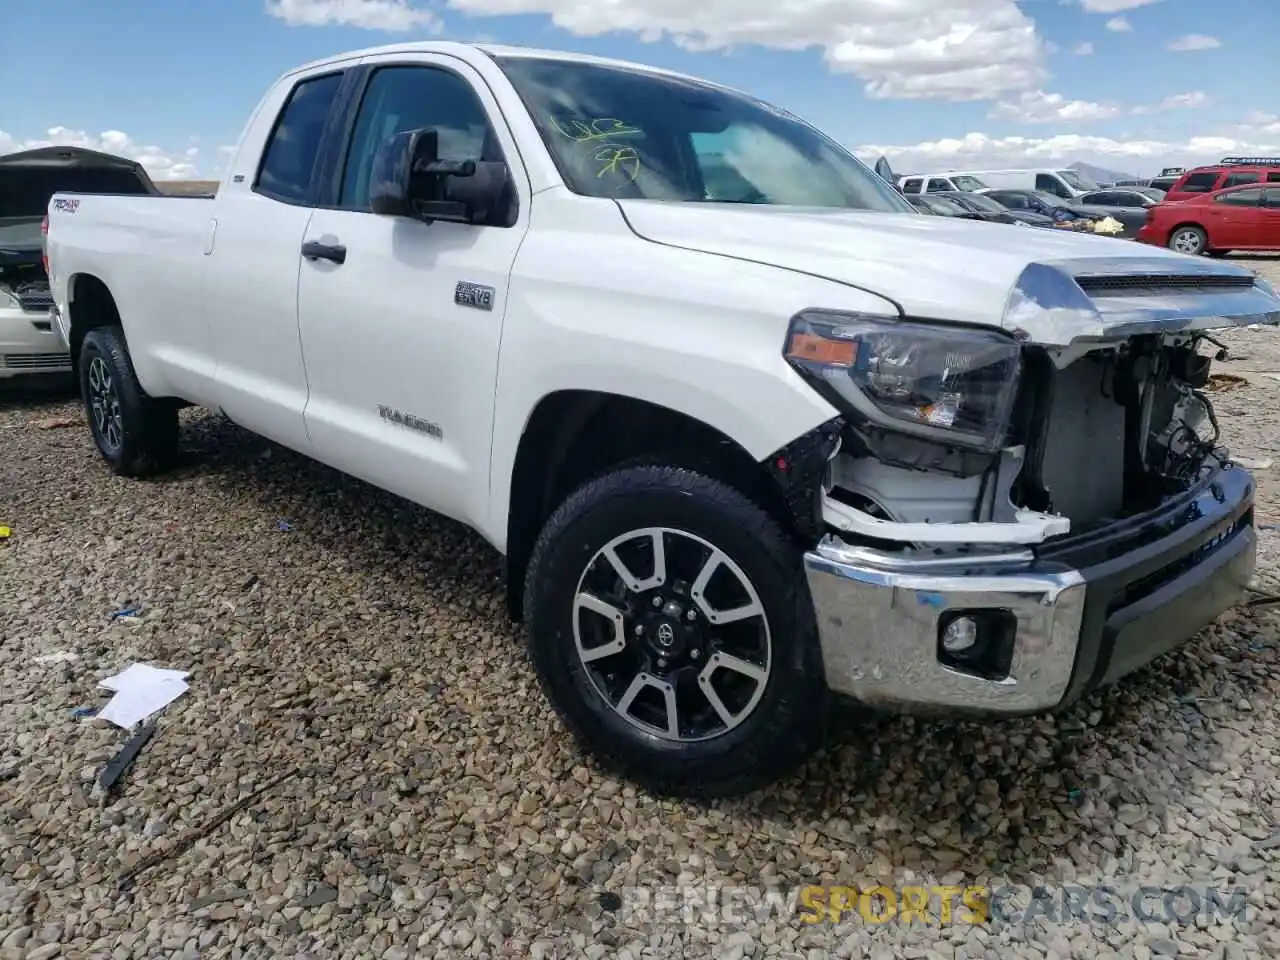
<point>749,431</point>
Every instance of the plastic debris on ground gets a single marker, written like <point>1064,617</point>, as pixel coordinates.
<point>285,526</point>
<point>5,533</point>
<point>126,612</point>
<point>141,690</point>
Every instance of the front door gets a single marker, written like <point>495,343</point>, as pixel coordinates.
<point>401,337</point>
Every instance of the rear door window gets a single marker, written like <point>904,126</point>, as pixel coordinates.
<point>912,185</point>
<point>1236,179</point>
<point>938,184</point>
<point>1241,198</point>
<point>1200,182</point>
<point>290,154</point>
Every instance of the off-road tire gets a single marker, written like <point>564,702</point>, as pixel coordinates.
<point>146,437</point>
<point>788,722</point>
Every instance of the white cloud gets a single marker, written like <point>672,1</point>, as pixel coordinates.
<point>1194,41</point>
<point>1113,6</point>
<point>1185,101</point>
<point>1082,49</point>
<point>180,164</point>
<point>1036,106</point>
<point>395,16</point>
<point>1259,123</point>
<point>1118,25</point>
<point>1141,157</point>
<point>915,49</point>
<point>958,50</point>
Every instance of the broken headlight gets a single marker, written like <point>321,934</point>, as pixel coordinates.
<point>951,384</point>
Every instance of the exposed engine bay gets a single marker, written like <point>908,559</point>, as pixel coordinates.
<point>24,280</point>
<point>1095,436</point>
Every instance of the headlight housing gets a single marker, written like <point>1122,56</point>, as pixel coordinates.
<point>950,384</point>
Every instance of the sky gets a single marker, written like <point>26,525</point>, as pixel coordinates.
<point>1129,85</point>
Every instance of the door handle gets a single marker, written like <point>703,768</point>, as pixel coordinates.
<point>333,252</point>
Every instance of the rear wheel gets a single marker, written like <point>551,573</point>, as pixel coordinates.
<point>1188,239</point>
<point>671,627</point>
<point>135,433</point>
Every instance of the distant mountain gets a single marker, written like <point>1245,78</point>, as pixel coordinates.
<point>1100,174</point>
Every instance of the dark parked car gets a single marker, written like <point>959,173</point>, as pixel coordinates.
<point>931,203</point>
<point>1132,219</point>
<point>991,209</point>
<point>1127,197</point>
<point>1034,201</point>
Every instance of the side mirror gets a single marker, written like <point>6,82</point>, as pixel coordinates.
<point>410,180</point>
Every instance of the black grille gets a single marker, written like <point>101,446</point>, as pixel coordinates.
<point>1160,284</point>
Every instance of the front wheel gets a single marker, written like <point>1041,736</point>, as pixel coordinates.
<point>671,627</point>
<point>1190,240</point>
<point>135,433</point>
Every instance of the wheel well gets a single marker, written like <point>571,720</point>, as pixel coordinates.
<point>90,306</point>
<point>573,436</point>
<point>1189,223</point>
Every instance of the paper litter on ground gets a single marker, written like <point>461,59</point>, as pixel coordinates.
<point>140,691</point>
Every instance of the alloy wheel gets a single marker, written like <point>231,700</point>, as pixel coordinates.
<point>104,403</point>
<point>1187,241</point>
<point>672,634</point>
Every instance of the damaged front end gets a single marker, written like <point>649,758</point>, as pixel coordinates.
<point>1013,515</point>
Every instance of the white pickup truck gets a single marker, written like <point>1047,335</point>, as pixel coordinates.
<point>748,430</point>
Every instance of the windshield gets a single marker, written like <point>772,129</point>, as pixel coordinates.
<point>1077,181</point>
<point>628,134</point>
<point>964,182</point>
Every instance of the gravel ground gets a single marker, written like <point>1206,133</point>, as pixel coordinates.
<point>432,806</point>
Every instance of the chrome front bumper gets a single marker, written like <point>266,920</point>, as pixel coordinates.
<point>1087,610</point>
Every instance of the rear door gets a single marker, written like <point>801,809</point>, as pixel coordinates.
<point>252,280</point>
<point>1269,219</point>
<point>1235,219</point>
<point>401,338</point>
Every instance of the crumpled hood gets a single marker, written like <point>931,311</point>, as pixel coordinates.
<point>972,272</point>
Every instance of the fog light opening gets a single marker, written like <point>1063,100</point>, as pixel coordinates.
<point>978,642</point>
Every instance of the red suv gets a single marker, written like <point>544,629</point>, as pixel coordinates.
<point>1241,218</point>
<point>1231,172</point>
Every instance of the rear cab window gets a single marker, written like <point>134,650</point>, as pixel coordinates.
<point>912,185</point>
<point>286,171</point>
